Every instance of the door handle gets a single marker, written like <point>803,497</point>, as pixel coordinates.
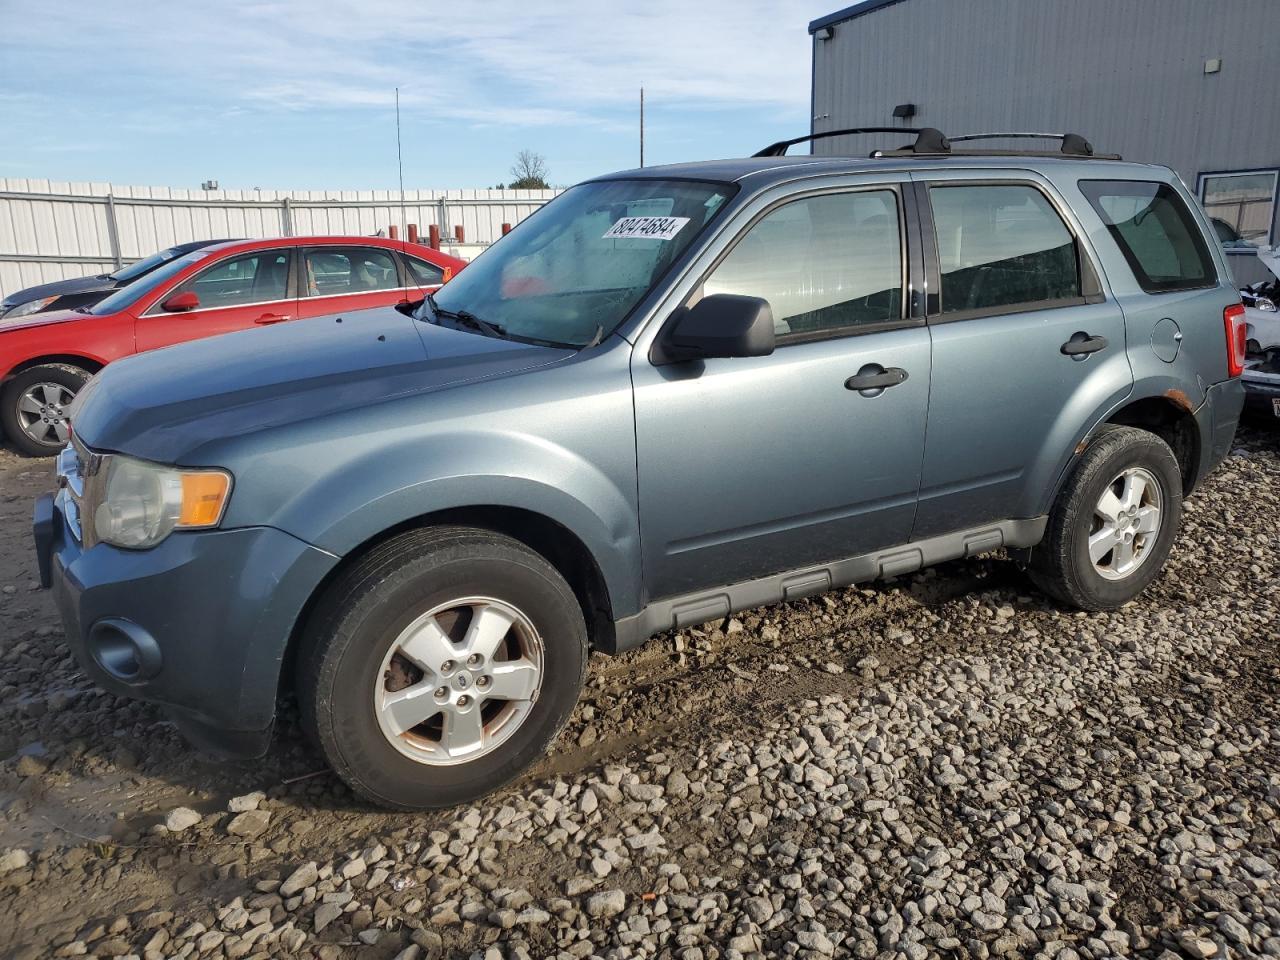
<point>267,318</point>
<point>1082,344</point>
<point>872,379</point>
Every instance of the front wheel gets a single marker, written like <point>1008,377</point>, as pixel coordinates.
<point>34,405</point>
<point>440,666</point>
<point>1113,524</point>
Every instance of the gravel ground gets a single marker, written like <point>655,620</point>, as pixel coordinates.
<point>942,765</point>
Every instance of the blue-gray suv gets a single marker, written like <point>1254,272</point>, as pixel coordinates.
<point>671,394</point>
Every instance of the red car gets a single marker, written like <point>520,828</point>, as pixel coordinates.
<point>47,357</point>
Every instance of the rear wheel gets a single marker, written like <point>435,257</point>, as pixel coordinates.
<point>440,666</point>
<point>1113,524</point>
<point>34,406</point>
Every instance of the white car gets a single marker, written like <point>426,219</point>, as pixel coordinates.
<point>1262,323</point>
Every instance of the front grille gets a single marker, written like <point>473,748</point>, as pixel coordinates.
<point>79,470</point>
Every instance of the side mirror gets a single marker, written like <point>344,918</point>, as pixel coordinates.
<point>181,302</point>
<point>721,325</point>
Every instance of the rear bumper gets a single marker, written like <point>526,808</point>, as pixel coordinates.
<point>1259,396</point>
<point>1217,419</point>
<point>199,624</point>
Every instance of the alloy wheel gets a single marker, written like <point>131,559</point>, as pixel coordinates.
<point>459,681</point>
<point>42,412</point>
<point>1126,523</point>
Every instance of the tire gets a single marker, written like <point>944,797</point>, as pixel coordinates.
<point>372,634</point>
<point>51,386</point>
<point>1117,459</point>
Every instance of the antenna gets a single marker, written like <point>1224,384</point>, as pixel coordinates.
<point>642,126</point>
<point>404,220</point>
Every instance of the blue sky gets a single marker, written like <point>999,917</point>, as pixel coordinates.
<point>298,94</point>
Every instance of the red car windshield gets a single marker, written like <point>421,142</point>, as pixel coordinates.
<point>128,296</point>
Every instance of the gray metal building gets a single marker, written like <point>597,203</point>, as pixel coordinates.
<point>1194,84</point>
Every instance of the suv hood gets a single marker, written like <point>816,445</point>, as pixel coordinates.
<point>165,404</point>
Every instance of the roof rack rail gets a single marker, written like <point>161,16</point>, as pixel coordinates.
<point>1073,145</point>
<point>933,142</point>
<point>928,140</point>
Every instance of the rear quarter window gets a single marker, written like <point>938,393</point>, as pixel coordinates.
<point>1160,240</point>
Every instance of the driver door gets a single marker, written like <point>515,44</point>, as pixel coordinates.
<point>236,293</point>
<point>751,467</point>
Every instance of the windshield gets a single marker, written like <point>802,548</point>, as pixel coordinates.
<point>145,265</point>
<point>572,272</point>
<point>127,296</point>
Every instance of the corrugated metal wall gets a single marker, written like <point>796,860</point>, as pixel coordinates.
<point>1128,74</point>
<point>50,230</point>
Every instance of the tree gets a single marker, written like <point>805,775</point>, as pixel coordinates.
<point>529,171</point>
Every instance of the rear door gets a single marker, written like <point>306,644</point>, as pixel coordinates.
<point>755,466</point>
<point>236,292</point>
<point>337,278</point>
<point>1027,348</point>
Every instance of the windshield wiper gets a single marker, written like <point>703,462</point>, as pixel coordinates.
<point>467,318</point>
<point>484,326</point>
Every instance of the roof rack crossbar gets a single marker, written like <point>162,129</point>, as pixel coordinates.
<point>928,140</point>
<point>1072,143</point>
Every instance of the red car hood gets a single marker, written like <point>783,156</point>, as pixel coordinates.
<point>41,319</point>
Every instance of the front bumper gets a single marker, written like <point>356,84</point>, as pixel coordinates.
<point>199,624</point>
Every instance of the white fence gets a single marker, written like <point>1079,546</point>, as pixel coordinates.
<point>50,230</point>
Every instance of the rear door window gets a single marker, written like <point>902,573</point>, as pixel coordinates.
<point>1155,231</point>
<point>329,271</point>
<point>423,273</point>
<point>1001,248</point>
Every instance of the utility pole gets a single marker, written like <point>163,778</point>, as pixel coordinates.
<point>642,126</point>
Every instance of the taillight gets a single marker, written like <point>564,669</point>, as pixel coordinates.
<point>1237,336</point>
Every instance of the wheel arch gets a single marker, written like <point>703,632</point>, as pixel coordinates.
<point>1170,417</point>
<point>550,539</point>
<point>67,359</point>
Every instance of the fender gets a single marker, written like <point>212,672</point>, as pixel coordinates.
<point>1158,387</point>
<point>356,499</point>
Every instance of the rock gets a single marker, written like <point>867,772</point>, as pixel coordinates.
<point>607,903</point>
<point>249,824</point>
<point>248,801</point>
<point>353,868</point>
<point>759,909</point>
<point>303,877</point>
<point>14,859</point>
<point>181,818</point>
<point>325,914</point>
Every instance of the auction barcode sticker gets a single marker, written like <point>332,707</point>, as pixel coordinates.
<point>646,228</point>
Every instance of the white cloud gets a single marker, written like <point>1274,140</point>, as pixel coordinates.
<point>501,62</point>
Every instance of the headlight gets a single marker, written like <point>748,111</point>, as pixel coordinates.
<point>1265,303</point>
<point>30,307</point>
<point>142,503</point>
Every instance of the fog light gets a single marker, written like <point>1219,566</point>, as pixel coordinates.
<point>124,650</point>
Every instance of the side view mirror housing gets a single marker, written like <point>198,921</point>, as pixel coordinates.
<point>721,325</point>
<point>181,302</point>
